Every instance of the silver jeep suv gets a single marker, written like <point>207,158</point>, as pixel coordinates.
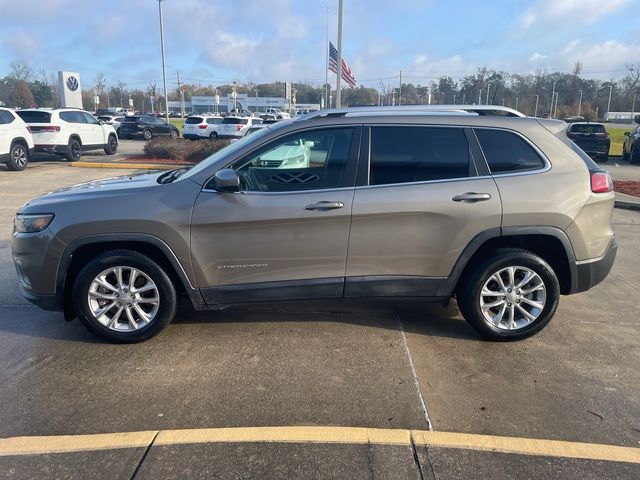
<point>498,210</point>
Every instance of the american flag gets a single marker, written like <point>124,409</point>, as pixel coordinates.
<point>347,74</point>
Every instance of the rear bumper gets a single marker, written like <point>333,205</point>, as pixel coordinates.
<point>592,272</point>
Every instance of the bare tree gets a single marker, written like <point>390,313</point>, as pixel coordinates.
<point>20,70</point>
<point>121,90</point>
<point>101,82</point>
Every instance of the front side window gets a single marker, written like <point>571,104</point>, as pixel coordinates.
<point>507,152</point>
<point>407,154</point>
<point>89,118</point>
<point>72,117</point>
<point>312,160</point>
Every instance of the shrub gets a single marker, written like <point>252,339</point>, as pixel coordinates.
<point>181,149</point>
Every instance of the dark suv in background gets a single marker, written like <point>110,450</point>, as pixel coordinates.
<point>592,138</point>
<point>503,213</point>
<point>147,127</point>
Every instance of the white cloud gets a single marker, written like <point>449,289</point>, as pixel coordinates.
<point>537,57</point>
<point>583,12</point>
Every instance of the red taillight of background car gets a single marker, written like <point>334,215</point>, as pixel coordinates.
<point>601,182</point>
<point>202,126</point>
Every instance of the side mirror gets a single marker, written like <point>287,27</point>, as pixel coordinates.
<point>226,181</point>
<point>627,134</point>
<point>100,122</point>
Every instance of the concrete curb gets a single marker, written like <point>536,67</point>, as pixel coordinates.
<point>142,166</point>
<point>627,205</point>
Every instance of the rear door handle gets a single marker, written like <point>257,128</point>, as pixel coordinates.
<point>324,206</point>
<point>471,197</point>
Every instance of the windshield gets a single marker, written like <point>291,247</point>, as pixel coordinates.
<point>229,150</point>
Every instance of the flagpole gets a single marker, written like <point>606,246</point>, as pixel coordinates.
<point>339,73</point>
<point>327,88</point>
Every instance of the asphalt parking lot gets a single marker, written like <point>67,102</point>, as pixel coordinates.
<point>351,388</point>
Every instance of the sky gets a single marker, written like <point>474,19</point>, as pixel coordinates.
<point>219,41</point>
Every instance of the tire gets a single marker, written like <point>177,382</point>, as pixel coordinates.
<point>625,155</point>
<point>213,136</point>
<point>481,275</point>
<point>174,134</point>
<point>147,134</point>
<point>74,150</point>
<point>129,325</point>
<point>18,157</point>
<point>634,157</point>
<point>112,145</point>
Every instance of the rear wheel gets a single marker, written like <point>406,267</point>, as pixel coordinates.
<point>74,150</point>
<point>213,136</point>
<point>510,296</point>
<point>147,134</point>
<point>18,157</point>
<point>634,157</point>
<point>174,134</point>
<point>112,145</point>
<point>124,297</point>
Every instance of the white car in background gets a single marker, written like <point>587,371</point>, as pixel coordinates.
<point>235,127</point>
<point>68,132</point>
<point>273,113</point>
<point>201,126</point>
<point>294,154</point>
<point>16,142</point>
<point>114,121</point>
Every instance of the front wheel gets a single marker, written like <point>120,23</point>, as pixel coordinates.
<point>18,157</point>
<point>510,296</point>
<point>112,145</point>
<point>124,297</point>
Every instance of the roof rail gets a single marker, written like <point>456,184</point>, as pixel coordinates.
<point>417,109</point>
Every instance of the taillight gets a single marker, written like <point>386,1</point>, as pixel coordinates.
<point>601,182</point>
<point>203,126</point>
<point>238,127</point>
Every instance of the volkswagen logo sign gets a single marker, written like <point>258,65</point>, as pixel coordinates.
<point>72,83</point>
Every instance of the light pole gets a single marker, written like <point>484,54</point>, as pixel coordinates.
<point>339,73</point>
<point>535,112</point>
<point>555,108</point>
<point>488,90</point>
<point>609,102</point>
<point>164,72</point>
<point>553,96</point>
<point>580,103</point>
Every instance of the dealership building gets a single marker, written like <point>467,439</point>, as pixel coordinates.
<point>200,104</point>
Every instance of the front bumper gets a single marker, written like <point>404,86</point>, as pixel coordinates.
<point>591,273</point>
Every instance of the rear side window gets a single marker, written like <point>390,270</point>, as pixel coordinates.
<point>6,117</point>
<point>587,128</point>
<point>193,120</point>
<point>507,152</point>
<point>34,117</point>
<point>73,117</point>
<point>417,154</point>
<point>213,121</point>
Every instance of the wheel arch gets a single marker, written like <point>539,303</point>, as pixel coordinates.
<point>20,140</point>
<point>82,250</point>
<point>75,136</point>
<point>549,243</point>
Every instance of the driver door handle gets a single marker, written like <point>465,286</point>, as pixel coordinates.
<point>324,206</point>
<point>471,197</point>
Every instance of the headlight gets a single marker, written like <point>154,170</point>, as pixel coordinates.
<point>31,223</point>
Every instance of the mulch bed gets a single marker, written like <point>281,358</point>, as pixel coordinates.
<point>630,187</point>
<point>146,159</point>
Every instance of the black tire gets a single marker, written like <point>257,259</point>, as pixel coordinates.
<point>147,134</point>
<point>18,157</point>
<point>634,157</point>
<point>213,136</point>
<point>174,134</point>
<point>468,294</point>
<point>74,150</point>
<point>112,145</point>
<point>167,295</point>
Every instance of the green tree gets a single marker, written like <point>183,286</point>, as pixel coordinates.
<point>21,95</point>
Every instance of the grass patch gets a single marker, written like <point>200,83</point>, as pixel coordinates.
<point>177,122</point>
<point>616,134</point>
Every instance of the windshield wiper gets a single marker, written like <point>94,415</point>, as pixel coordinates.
<point>173,174</point>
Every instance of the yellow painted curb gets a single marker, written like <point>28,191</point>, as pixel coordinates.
<point>143,166</point>
<point>318,435</point>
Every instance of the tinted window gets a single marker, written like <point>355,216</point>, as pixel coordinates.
<point>213,121</point>
<point>105,118</point>
<point>34,116</point>
<point>132,119</point>
<point>587,128</point>
<point>6,117</point>
<point>311,160</point>
<point>417,154</point>
<point>234,121</point>
<point>89,118</point>
<point>507,152</point>
<point>193,120</point>
<point>73,117</point>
